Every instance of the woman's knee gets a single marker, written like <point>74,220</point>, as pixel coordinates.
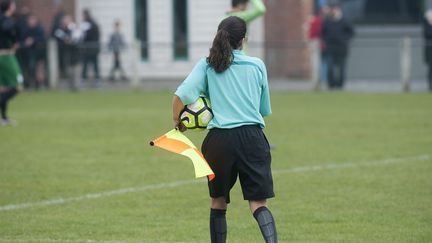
<point>254,205</point>
<point>218,203</point>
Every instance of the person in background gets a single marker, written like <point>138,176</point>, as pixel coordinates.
<point>116,45</point>
<point>22,18</point>
<point>59,13</point>
<point>22,53</point>
<point>10,76</point>
<point>239,8</point>
<point>68,36</point>
<point>337,33</point>
<point>90,46</point>
<point>315,34</point>
<point>34,42</point>
<point>427,34</point>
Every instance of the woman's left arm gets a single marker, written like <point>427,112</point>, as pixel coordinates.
<point>265,106</point>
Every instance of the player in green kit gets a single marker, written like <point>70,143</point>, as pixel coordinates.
<point>10,73</point>
<point>239,9</point>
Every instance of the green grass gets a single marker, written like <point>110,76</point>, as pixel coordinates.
<point>68,145</point>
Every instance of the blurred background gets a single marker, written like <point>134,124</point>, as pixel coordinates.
<point>163,39</point>
<point>351,166</point>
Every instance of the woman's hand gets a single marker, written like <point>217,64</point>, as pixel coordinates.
<point>177,108</point>
<point>181,127</point>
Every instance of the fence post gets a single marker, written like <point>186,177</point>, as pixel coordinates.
<point>315,55</point>
<point>53,63</point>
<point>406,64</point>
<point>136,54</point>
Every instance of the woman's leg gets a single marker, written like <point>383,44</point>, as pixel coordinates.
<point>265,220</point>
<point>218,225</point>
<point>5,97</point>
<point>430,76</point>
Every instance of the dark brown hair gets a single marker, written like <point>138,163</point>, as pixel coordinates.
<point>229,37</point>
<point>5,5</point>
<point>234,3</point>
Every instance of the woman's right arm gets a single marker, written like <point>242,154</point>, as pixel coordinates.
<point>177,105</point>
<point>189,91</point>
<point>194,85</point>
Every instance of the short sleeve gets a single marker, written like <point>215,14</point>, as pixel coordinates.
<point>265,106</point>
<point>195,84</point>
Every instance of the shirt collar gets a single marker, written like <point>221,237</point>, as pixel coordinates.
<point>238,52</point>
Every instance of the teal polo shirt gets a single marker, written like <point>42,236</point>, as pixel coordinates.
<point>239,96</point>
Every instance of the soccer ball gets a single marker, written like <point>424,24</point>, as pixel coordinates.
<point>197,115</point>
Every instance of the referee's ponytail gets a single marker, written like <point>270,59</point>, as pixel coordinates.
<point>231,32</point>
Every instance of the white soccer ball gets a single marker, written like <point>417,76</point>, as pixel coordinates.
<point>197,115</point>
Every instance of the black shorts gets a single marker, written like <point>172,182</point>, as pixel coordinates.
<point>242,151</point>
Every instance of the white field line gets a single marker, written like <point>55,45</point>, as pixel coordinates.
<point>58,201</point>
<point>347,164</point>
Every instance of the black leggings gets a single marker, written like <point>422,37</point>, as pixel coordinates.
<point>4,99</point>
<point>430,76</point>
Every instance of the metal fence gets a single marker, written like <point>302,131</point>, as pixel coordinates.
<point>387,64</point>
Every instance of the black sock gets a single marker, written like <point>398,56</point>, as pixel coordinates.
<point>3,107</point>
<point>218,225</point>
<point>4,99</point>
<point>267,224</point>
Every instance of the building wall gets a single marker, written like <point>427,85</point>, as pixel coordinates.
<point>375,53</point>
<point>204,16</point>
<point>287,53</point>
<point>46,9</point>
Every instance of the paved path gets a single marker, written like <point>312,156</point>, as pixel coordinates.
<point>373,86</point>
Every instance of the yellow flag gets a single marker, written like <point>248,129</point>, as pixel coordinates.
<point>176,142</point>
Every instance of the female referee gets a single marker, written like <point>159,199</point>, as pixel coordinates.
<point>235,145</point>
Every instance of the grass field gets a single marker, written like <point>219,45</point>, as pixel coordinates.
<point>347,168</point>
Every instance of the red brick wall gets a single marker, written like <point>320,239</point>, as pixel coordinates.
<point>45,9</point>
<point>287,55</point>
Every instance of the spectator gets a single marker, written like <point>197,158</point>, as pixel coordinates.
<point>22,53</point>
<point>35,43</point>
<point>90,46</point>
<point>315,34</point>
<point>116,45</point>
<point>21,19</point>
<point>10,75</point>
<point>427,34</point>
<point>68,36</point>
<point>337,33</point>
<point>57,24</point>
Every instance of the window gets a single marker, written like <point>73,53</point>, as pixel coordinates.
<point>381,11</point>
<point>141,28</point>
<point>180,29</point>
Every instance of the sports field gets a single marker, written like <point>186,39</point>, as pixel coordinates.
<point>347,168</point>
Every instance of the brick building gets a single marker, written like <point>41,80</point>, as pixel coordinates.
<point>46,9</point>
<point>287,53</point>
